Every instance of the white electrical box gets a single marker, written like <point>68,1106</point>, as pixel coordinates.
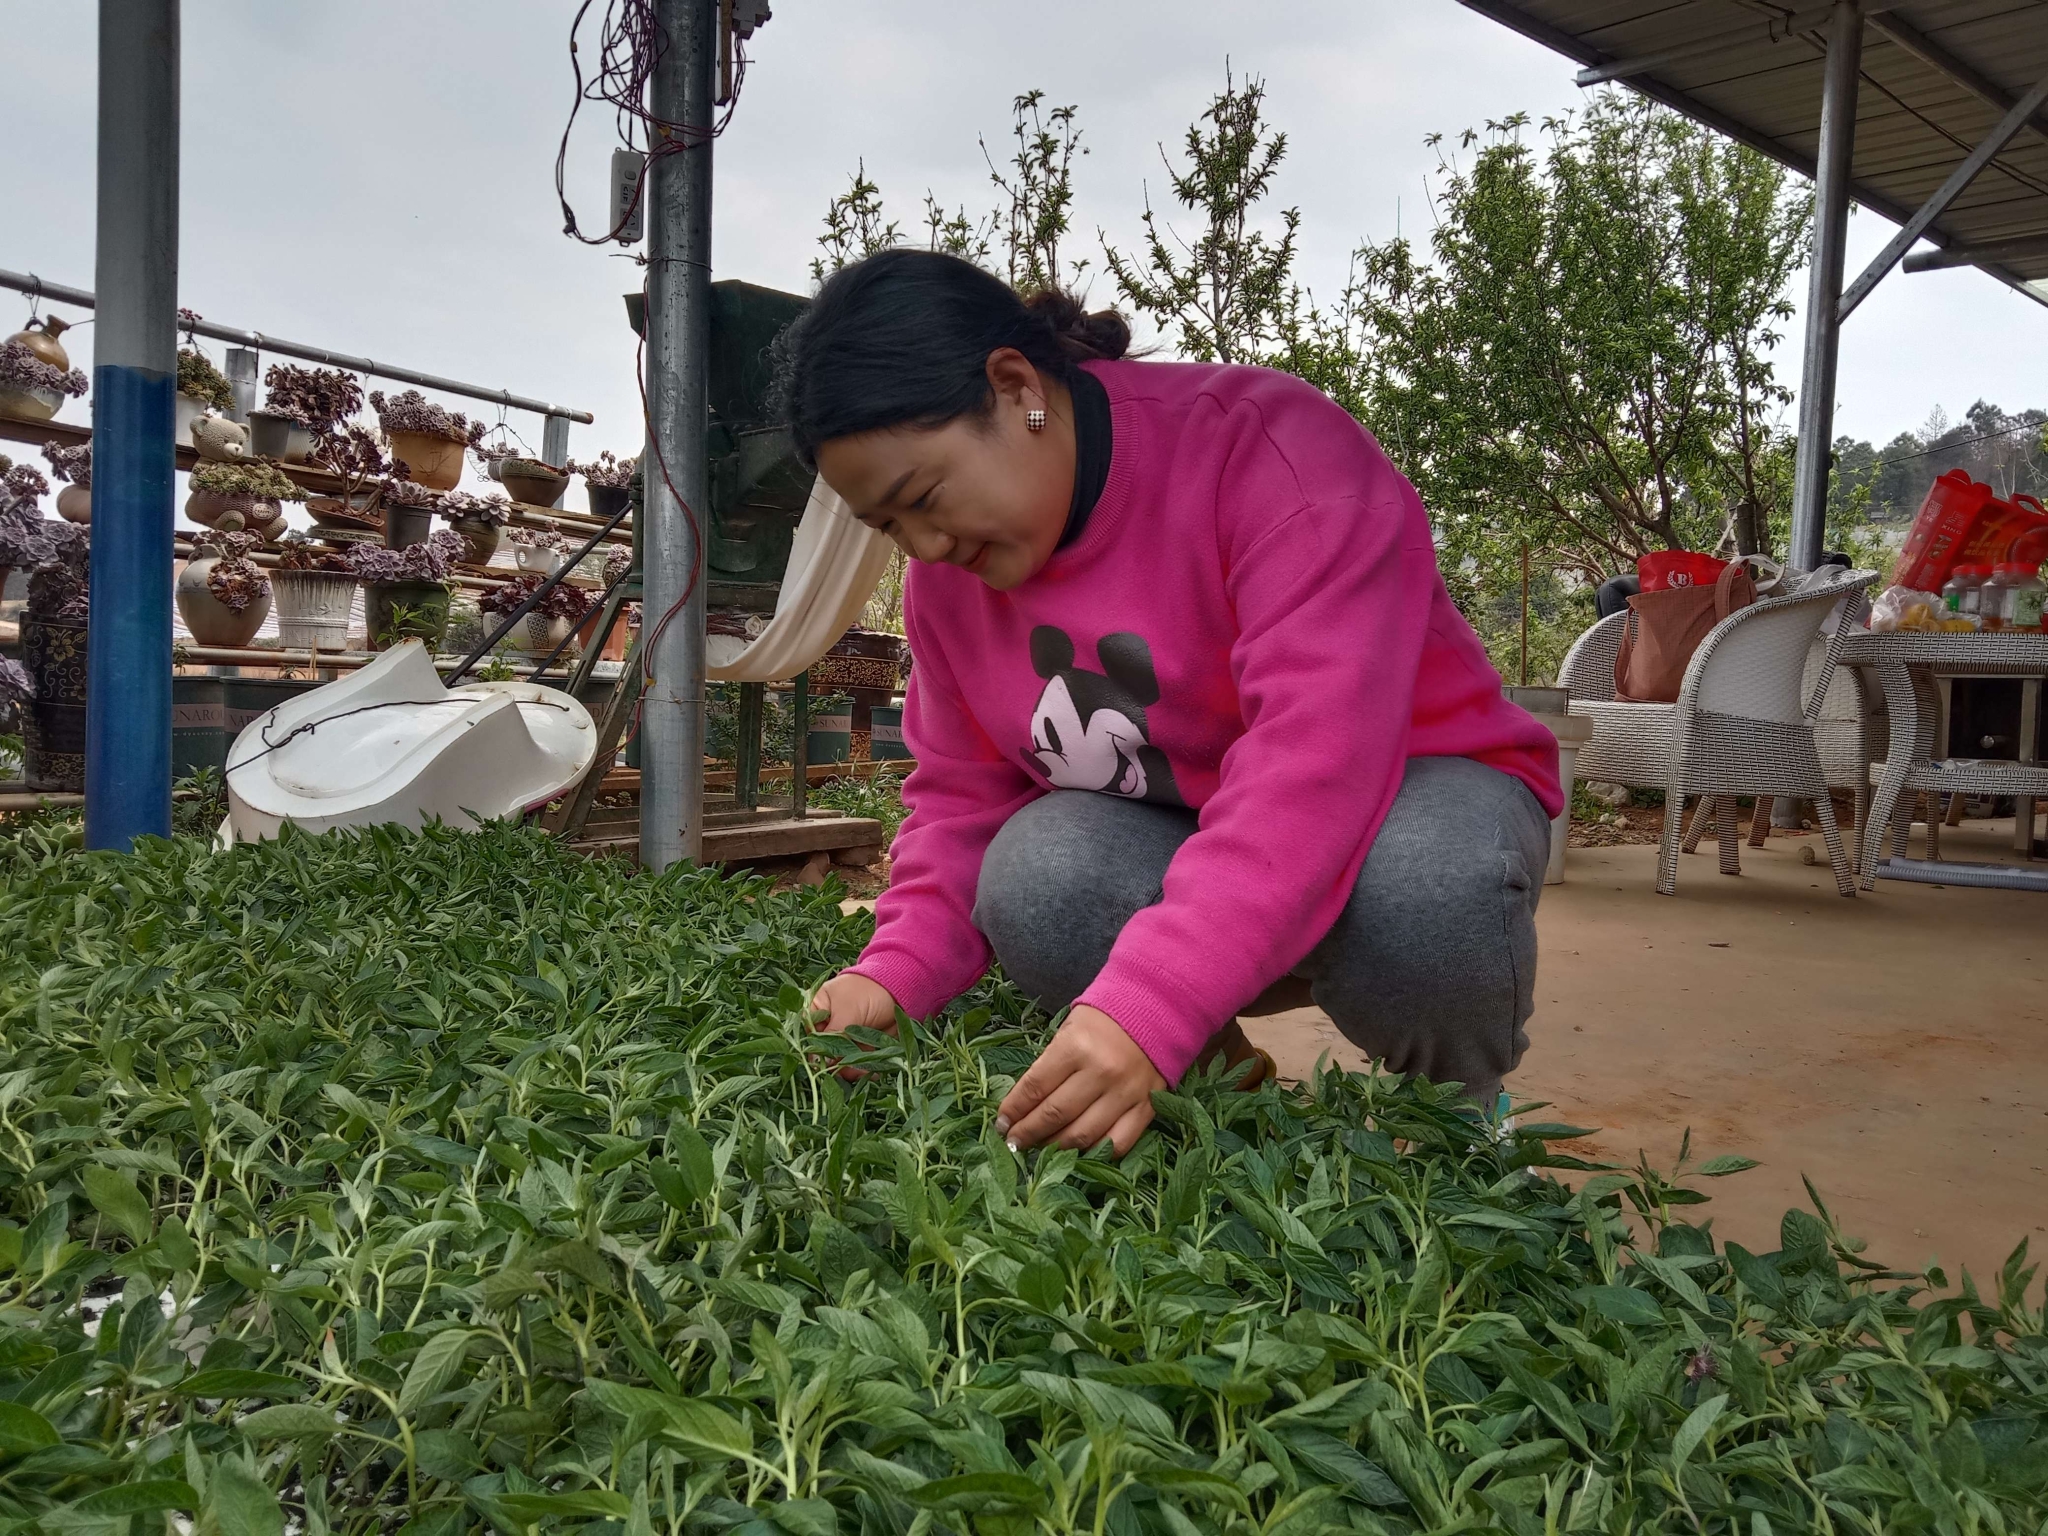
<point>629,204</point>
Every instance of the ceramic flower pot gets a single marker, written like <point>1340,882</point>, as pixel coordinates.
<point>212,621</point>
<point>30,404</point>
<point>607,500</point>
<point>406,526</point>
<point>74,503</point>
<point>435,462</point>
<point>313,608</point>
<point>187,409</point>
<point>545,561</point>
<point>543,634</point>
<point>479,539</point>
<point>41,339</point>
<point>406,610</point>
<point>541,489</point>
<point>272,436</point>
<point>232,512</point>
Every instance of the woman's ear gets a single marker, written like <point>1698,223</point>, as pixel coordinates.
<point>1015,380</point>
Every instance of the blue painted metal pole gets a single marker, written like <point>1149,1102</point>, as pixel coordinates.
<point>135,368</point>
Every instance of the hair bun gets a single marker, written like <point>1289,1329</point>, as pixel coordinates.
<point>1103,335</point>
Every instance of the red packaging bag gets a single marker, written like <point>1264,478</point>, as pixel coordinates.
<point>1946,523</point>
<point>1663,569</point>
<point>1999,529</point>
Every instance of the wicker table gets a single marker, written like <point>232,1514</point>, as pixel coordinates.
<point>1907,664</point>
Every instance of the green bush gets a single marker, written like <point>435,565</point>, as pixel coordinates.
<point>416,1184</point>
<point>879,796</point>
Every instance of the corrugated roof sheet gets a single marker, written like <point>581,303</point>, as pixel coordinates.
<point>1937,76</point>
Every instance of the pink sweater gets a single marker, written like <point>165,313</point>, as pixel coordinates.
<point>1251,625</point>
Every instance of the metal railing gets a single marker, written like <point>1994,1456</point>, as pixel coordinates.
<point>36,287</point>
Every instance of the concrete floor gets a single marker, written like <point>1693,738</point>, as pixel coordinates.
<point>1892,1048</point>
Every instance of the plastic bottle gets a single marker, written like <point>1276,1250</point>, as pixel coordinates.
<point>1992,596</point>
<point>1959,595</point>
<point>2025,599</point>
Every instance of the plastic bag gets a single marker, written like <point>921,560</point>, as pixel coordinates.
<point>1904,608</point>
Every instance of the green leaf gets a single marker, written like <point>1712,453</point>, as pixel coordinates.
<point>1721,1167</point>
<point>145,1498</point>
<point>588,1503</point>
<point>114,1195</point>
<point>1336,1462</point>
<point>1548,1400</point>
<point>289,1421</point>
<point>1626,1304</point>
<point>692,1156</point>
<point>1042,1284</point>
<point>805,1517</point>
<point>233,1384</point>
<point>23,1430</point>
<point>695,1423</point>
<point>242,1504</point>
<point>433,1368</point>
<point>973,1492</point>
<point>1698,1424</point>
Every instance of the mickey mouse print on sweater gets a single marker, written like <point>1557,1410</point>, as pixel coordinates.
<point>1088,728</point>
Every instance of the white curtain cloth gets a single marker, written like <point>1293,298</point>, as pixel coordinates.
<point>834,562</point>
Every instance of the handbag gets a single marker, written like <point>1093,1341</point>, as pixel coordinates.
<point>1664,628</point>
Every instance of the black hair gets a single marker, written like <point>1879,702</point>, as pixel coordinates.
<point>903,338</point>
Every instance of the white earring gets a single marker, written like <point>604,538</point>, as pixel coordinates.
<point>1034,421</point>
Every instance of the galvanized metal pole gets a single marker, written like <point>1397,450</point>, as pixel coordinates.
<point>1824,285</point>
<point>135,370</point>
<point>678,363</point>
<point>554,448</point>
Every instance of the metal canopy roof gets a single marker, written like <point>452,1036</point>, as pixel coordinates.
<point>1937,78</point>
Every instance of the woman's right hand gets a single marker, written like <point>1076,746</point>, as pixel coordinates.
<point>849,999</point>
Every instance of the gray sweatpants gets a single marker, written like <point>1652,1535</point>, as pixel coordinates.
<point>1431,967</point>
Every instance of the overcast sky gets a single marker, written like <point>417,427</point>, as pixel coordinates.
<point>377,177</point>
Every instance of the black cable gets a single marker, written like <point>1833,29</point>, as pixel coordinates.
<point>310,726</point>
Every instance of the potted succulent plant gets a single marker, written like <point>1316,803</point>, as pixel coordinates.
<point>53,628</point>
<point>315,587</point>
<point>478,519</point>
<point>30,388</point>
<point>241,494</point>
<point>302,406</point>
<point>405,591</point>
<point>72,466</point>
<point>541,550</point>
<point>201,388</point>
<point>608,480</point>
<point>531,481</point>
<point>551,620</point>
<point>354,456</point>
<point>223,596</point>
<point>408,511</point>
<point>428,440</point>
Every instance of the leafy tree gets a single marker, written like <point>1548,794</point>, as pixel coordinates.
<point>1581,365</point>
<point>855,226</point>
<point>1037,195</point>
<point>1229,295</point>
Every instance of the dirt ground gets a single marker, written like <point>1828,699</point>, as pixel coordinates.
<point>1892,1048</point>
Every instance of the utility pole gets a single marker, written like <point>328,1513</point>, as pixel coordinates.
<point>678,365</point>
<point>135,371</point>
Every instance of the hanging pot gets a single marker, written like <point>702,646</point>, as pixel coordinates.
<point>74,503</point>
<point>435,462</point>
<point>233,511</point>
<point>41,339</point>
<point>535,484</point>
<point>426,619</point>
<point>607,500</point>
<point>313,608</point>
<point>217,438</point>
<point>212,621</point>
<point>272,436</point>
<point>30,404</point>
<point>479,539</point>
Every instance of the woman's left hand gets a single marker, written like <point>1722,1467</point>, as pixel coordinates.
<point>1092,1081</point>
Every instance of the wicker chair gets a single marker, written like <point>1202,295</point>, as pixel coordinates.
<point>1744,723</point>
